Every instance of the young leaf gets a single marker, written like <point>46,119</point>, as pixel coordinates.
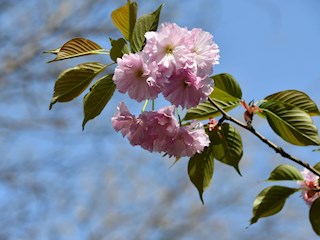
<point>314,216</point>
<point>291,124</point>
<point>285,172</point>
<point>206,110</point>
<point>119,47</point>
<point>226,88</point>
<point>145,23</point>
<point>73,81</point>
<point>200,170</point>
<point>270,201</point>
<point>227,145</point>
<point>99,95</point>
<point>317,166</point>
<point>76,47</point>
<point>296,99</point>
<point>124,18</point>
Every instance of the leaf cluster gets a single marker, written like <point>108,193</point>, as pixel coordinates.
<point>72,82</point>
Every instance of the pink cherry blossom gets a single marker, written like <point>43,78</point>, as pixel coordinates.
<point>206,52</point>
<point>169,48</point>
<point>152,130</point>
<point>186,89</point>
<point>159,131</point>
<point>189,140</point>
<point>137,76</point>
<point>159,128</point>
<point>310,186</point>
<point>123,119</point>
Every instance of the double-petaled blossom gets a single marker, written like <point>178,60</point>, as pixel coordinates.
<point>169,48</point>
<point>185,88</point>
<point>310,186</point>
<point>160,127</point>
<point>189,140</point>
<point>160,132</point>
<point>206,52</point>
<point>123,120</point>
<point>137,75</point>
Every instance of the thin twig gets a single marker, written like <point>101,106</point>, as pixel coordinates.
<point>278,149</point>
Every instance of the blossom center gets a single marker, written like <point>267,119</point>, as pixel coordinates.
<point>169,50</point>
<point>139,74</point>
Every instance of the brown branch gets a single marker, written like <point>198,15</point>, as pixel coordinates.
<point>275,147</point>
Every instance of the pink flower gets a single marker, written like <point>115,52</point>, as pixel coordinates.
<point>160,132</point>
<point>186,89</point>
<point>189,140</point>
<point>159,128</point>
<point>152,131</point>
<point>310,186</point>
<point>137,76</point>
<point>206,52</point>
<point>169,48</point>
<point>123,120</point>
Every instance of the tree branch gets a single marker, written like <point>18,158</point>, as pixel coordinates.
<point>278,149</point>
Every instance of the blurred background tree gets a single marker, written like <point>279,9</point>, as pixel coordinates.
<point>57,182</point>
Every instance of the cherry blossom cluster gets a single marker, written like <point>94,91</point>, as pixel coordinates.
<point>310,186</point>
<point>159,131</point>
<point>175,62</point>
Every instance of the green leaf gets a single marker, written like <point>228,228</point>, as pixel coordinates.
<point>227,145</point>
<point>206,110</point>
<point>296,99</point>
<point>270,201</point>
<point>226,88</point>
<point>124,18</point>
<point>317,166</point>
<point>73,81</point>
<point>95,101</point>
<point>77,47</point>
<point>290,123</point>
<point>285,172</point>
<point>226,93</point>
<point>314,216</point>
<point>145,23</point>
<point>119,47</point>
<point>200,170</point>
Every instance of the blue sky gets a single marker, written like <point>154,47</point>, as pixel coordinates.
<point>267,45</point>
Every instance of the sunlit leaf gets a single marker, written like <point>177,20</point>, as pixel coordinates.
<point>290,123</point>
<point>296,99</point>
<point>285,172</point>
<point>95,101</point>
<point>226,144</point>
<point>314,216</point>
<point>77,47</point>
<point>119,47</point>
<point>270,201</point>
<point>145,23</point>
<point>206,110</point>
<point>124,19</point>
<point>226,88</point>
<point>200,170</point>
<point>73,81</point>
